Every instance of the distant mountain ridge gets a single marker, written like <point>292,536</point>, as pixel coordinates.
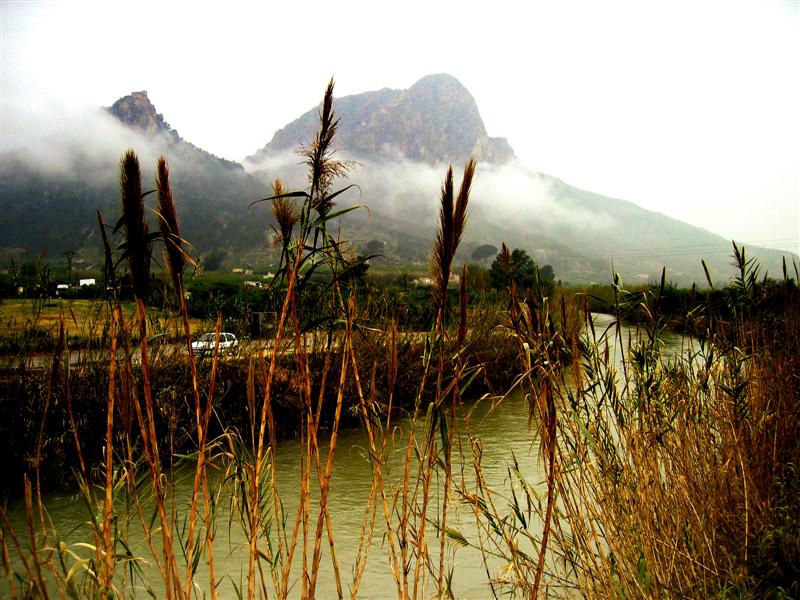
<point>436,120</point>
<point>402,139</point>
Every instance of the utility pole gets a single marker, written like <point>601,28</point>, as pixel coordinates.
<point>69,254</point>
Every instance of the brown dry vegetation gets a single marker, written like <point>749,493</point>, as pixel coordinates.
<point>664,477</point>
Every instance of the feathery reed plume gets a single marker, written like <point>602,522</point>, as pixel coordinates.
<point>138,245</point>
<point>441,247</point>
<point>452,221</point>
<point>323,169</point>
<point>460,210</point>
<point>138,251</point>
<point>504,257</point>
<point>284,211</point>
<point>168,221</point>
<point>176,259</point>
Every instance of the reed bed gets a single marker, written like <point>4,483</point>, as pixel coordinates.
<point>662,477</point>
<point>675,475</point>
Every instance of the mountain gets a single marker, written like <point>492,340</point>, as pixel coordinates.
<point>53,210</point>
<point>586,237</point>
<point>435,121</point>
<point>137,112</point>
<point>402,140</point>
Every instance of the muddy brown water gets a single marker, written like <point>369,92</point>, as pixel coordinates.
<point>503,430</point>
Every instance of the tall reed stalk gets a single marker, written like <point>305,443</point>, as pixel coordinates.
<point>306,248</point>
<point>176,259</point>
<point>138,250</point>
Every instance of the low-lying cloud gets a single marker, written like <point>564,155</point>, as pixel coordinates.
<point>74,142</point>
<point>505,195</point>
<point>87,143</point>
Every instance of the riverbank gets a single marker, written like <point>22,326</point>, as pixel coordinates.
<point>47,400</point>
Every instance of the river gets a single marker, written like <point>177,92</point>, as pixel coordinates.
<point>503,431</point>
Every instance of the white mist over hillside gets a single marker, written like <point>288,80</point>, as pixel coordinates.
<point>86,143</point>
<point>80,143</point>
<point>507,194</point>
<point>684,108</point>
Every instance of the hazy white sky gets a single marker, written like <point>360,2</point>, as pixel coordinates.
<point>688,108</point>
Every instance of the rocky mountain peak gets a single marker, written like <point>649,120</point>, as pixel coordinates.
<point>137,112</point>
<point>441,89</point>
<point>436,120</point>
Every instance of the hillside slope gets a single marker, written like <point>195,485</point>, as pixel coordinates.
<point>434,121</point>
<point>403,140</point>
<point>54,210</point>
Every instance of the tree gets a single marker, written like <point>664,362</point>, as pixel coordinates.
<point>547,280</point>
<point>69,254</point>
<point>483,252</point>
<point>502,270</point>
<point>356,271</point>
<point>373,248</point>
<point>524,269</point>
<point>547,275</point>
<point>519,268</point>
<point>213,261</point>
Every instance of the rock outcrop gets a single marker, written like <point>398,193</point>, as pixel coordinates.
<point>137,112</point>
<point>434,121</point>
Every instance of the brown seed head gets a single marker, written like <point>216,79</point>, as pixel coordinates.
<point>138,245</point>
<point>174,254</point>
<point>323,169</point>
<point>452,222</point>
<point>284,211</point>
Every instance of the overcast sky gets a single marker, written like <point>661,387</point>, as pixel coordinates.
<point>687,108</point>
